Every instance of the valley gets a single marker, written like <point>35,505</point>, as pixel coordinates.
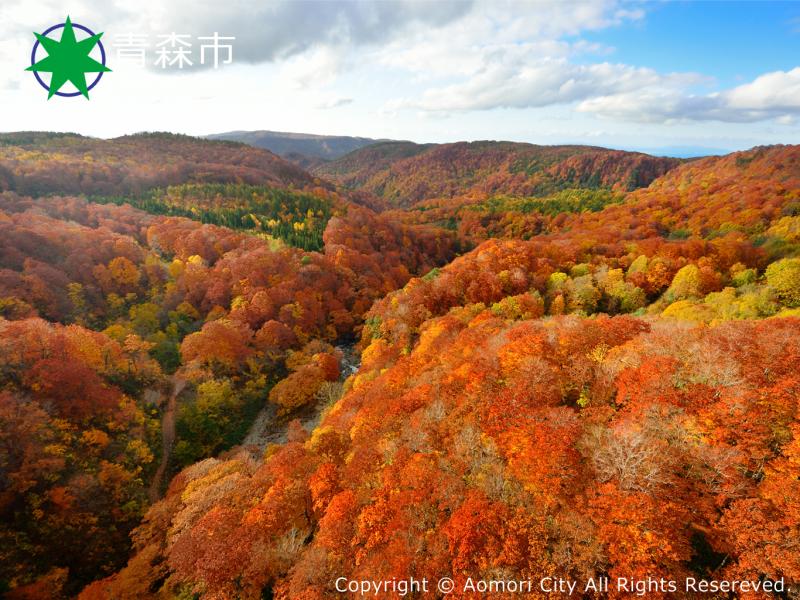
<point>466,358</point>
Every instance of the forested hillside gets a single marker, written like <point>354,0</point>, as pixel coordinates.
<point>48,163</point>
<point>403,173</point>
<point>168,297</point>
<point>574,362</point>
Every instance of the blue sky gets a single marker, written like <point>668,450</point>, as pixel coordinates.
<point>732,41</point>
<point>666,77</point>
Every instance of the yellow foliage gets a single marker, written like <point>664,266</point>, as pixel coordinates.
<point>218,472</point>
<point>787,228</point>
<point>372,353</point>
<point>685,284</point>
<point>95,437</point>
<point>363,377</point>
<point>123,271</point>
<point>599,352</point>
<point>688,310</point>
<point>139,452</point>
<point>176,268</point>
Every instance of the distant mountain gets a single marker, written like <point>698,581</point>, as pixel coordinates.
<point>404,173</point>
<point>290,145</point>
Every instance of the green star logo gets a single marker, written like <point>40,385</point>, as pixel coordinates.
<point>68,60</point>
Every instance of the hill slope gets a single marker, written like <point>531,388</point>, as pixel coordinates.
<point>45,163</point>
<point>403,173</point>
<point>707,197</point>
<point>620,369</point>
<point>487,431</point>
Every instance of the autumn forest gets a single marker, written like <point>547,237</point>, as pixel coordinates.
<point>227,376</point>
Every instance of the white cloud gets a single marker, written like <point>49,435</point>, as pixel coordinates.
<point>425,70</point>
<point>521,83</point>
<point>773,95</point>
<point>265,31</point>
<point>333,102</point>
<point>523,55</point>
<point>316,68</point>
<point>493,32</point>
<point>278,29</point>
<point>518,55</point>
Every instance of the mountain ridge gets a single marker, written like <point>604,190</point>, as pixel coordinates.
<point>404,173</point>
<point>287,143</point>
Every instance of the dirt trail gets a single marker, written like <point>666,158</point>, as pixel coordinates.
<point>167,438</point>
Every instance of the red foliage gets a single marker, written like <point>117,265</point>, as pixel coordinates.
<point>73,449</point>
<point>557,446</point>
<point>404,174</point>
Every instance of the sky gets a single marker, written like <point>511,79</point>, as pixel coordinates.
<point>668,77</point>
